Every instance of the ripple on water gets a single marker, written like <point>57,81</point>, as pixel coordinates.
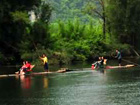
<point>84,87</point>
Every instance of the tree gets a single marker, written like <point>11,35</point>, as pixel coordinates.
<point>43,12</point>
<point>124,20</point>
<point>14,20</point>
<point>97,8</point>
<point>40,29</point>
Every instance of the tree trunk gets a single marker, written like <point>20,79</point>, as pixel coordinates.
<point>104,21</point>
<point>104,28</point>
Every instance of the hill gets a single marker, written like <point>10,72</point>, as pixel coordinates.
<point>69,9</point>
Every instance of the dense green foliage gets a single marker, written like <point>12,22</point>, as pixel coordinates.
<point>13,23</point>
<point>124,20</point>
<point>66,30</point>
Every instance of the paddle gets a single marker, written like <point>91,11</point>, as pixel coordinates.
<point>36,49</point>
<point>131,62</point>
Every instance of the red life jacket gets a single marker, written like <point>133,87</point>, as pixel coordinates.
<point>93,67</point>
<point>28,65</point>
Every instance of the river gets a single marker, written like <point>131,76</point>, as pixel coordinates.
<point>82,87</point>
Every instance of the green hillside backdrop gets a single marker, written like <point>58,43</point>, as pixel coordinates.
<point>67,30</point>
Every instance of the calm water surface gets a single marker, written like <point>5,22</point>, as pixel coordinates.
<point>83,87</point>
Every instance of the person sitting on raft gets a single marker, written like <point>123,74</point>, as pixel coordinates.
<point>26,67</point>
<point>22,68</point>
<point>103,62</point>
<point>96,64</point>
<point>99,64</point>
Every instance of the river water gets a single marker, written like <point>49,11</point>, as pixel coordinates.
<point>82,87</point>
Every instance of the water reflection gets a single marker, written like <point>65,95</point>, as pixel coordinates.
<point>45,81</point>
<point>25,81</point>
<point>102,70</point>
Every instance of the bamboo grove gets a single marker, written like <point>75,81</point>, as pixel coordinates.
<point>67,30</point>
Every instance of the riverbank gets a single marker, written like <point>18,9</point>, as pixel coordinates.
<point>74,64</point>
<point>56,62</point>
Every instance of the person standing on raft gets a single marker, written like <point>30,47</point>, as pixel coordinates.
<point>45,62</point>
<point>119,57</point>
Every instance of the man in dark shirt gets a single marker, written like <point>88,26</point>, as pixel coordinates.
<point>119,57</point>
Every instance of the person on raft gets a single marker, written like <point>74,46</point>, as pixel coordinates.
<point>45,62</point>
<point>99,64</point>
<point>26,67</point>
<point>23,67</point>
<point>119,57</point>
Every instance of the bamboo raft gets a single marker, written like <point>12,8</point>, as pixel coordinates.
<point>119,67</point>
<point>62,70</point>
<point>114,67</point>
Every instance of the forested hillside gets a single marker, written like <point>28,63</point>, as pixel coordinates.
<point>69,9</point>
<point>67,30</point>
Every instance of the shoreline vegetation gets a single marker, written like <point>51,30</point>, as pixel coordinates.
<point>127,59</point>
<point>94,31</point>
